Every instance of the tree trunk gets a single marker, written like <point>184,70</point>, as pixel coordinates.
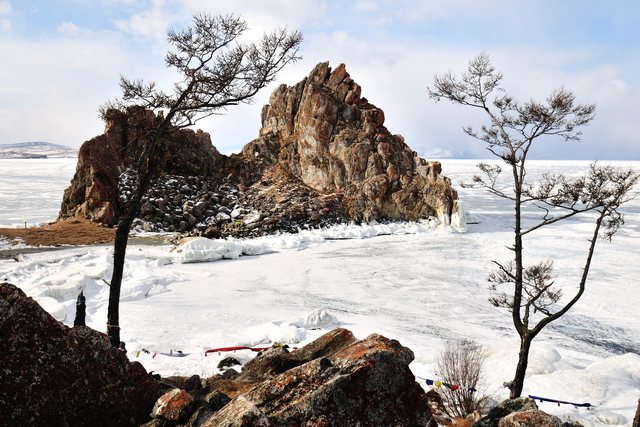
<point>119,252</point>
<point>120,249</point>
<point>523,360</point>
<point>81,309</point>
<point>636,419</point>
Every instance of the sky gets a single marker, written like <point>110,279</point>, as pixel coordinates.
<point>61,60</point>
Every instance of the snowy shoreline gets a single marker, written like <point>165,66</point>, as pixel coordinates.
<point>423,289</point>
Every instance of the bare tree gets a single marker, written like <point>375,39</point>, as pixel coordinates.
<point>216,70</point>
<point>514,128</point>
<point>461,363</point>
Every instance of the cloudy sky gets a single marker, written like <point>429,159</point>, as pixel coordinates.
<point>62,59</point>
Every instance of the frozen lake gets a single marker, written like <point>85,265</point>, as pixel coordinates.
<point>423,288</point>
<point>31,189</point>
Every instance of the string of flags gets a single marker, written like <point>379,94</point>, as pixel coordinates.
<point>180,353</point>
<point>242,347</point>
<point>561,402</point>
<point>170,353</point>
<point>235,348</point>
<point>452,387</point>
<point>429,382</point>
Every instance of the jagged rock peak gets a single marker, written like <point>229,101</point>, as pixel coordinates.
<point>323,132</point>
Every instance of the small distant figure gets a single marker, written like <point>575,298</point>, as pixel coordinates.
<point>81,309</point>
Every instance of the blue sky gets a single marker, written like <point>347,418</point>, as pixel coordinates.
<point>62,60</point>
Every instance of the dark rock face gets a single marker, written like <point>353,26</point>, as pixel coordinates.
<point>334,381</point>
<point>323,156</point>
<point>94,193</point>
<point>54,375</point>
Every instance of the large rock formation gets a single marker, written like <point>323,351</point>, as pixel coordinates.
<point>94,192</point>
<point>323,155</point>
<point>54,375</point>
<point>334,381</point>
<point>323,132</point>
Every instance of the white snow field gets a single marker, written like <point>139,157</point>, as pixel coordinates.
<point>419,283</point>
<point>31,189</point>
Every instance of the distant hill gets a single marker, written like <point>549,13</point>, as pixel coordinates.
<point>36,150</point>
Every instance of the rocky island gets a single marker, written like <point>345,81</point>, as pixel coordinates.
<point>323,155</point>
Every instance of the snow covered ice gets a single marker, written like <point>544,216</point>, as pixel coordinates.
<point>421,283</point>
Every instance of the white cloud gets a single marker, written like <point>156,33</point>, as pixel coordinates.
<point>151,24</point>
<point>5,11</point>
<point>366,6</point>
<point>5,8</point>
<point>392,68</point>
<point>54,87</point>
<point>68,28</point>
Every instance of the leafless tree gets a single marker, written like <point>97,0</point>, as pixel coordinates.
<point>461,363</point>
<point>514,128</point>
<point>217,70</point>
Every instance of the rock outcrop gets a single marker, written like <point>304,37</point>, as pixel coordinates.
<point>323,155</point>
<point>55,375</point>
<point>95,191</point>
<point>323,132</point>
<point>336,380</point>
<point>520,412</point>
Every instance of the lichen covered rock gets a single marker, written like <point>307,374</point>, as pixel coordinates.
<point>335,380</point>
<point>51,374</point>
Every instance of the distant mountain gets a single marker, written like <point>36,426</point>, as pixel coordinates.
<point>36,150</point>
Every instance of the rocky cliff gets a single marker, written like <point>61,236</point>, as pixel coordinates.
<point>323,155</point>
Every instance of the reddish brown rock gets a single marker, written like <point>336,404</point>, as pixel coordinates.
<point>533,418</point>
<point>336,380</point>
<point>176,406</point>
<point>335,147</point>
<point>321,145</point>
<point>505,408</point>
<point>93,193</point>
<point>54,375</point>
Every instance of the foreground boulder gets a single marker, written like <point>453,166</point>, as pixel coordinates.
<point>520,412</point>
<point>334,381</point>
<point>323,155</point>
<point>55,375</point>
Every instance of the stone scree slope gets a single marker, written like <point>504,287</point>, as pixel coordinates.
<point>323,155</point>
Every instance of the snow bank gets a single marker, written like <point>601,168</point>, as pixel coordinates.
<point>320,319</point>
<point>272,332</point>
<point>53,307</point>
<point>291,331</point>
<point>200,249</point>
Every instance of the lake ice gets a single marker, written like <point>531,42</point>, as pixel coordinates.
<point>423,288</point>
